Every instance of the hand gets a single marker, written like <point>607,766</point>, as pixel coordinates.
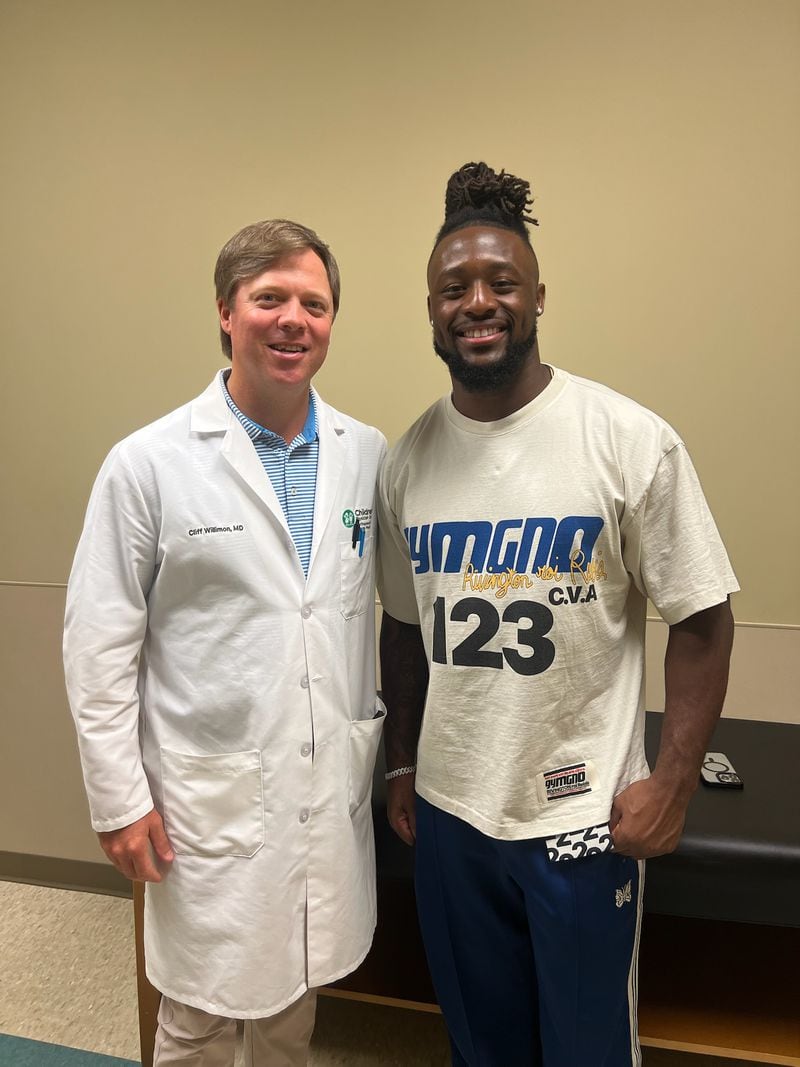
<point>647,819</point>
<point>400,802</point>
<point>139,849</point>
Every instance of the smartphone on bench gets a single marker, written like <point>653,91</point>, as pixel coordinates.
<point>719,772</point>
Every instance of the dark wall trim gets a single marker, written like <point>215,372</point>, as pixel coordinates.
<point>63,874</point>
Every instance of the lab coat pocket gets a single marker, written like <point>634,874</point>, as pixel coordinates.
<point>356,575</point>
<point>213,805</point>
<point>365,736</point>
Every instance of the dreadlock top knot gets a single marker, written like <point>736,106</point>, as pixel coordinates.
<point>476,186</point>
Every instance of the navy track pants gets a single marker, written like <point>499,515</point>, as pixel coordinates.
<point>534,962</point>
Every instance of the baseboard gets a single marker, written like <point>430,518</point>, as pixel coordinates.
<point>63,874</point>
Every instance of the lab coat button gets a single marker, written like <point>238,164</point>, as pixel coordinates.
<point>306,612</point>
<point>305,750</point>
<point>304,815</point>
<point>304,682</point>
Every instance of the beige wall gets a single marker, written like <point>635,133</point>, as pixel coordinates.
<point>663,143</point>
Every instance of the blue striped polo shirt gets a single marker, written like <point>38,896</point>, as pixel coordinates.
<point>292,469</point>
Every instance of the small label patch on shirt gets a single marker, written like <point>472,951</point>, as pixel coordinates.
<point>570,781</point>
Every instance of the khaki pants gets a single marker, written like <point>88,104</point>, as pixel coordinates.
<point>193,1038</point>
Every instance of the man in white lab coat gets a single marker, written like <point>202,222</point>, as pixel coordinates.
<point>220,667</point>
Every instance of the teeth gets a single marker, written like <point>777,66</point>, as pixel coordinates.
<point>288,348</point>
<point>483,331</point>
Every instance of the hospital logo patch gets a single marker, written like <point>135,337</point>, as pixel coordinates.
<point>360,516</point>
<point>570,781</point>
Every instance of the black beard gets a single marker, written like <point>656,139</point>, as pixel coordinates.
<point>494,376</point>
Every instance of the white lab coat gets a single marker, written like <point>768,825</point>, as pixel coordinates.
<point>207,676</point>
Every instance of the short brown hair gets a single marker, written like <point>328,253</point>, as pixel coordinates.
<point>260,246</point>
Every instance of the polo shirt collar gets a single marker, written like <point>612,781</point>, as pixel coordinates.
<point>254,430</point>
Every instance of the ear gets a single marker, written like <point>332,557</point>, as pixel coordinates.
<point>224,316</point>
<point>541,293</point>
<point>430,319</point>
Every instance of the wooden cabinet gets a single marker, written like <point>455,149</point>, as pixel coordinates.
<point>720,988</point>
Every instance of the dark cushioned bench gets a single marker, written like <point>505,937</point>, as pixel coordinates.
<point>739,858</point>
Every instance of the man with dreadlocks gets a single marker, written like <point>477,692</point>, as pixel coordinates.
<point>525,519</point>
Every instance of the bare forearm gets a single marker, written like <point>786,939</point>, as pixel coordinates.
<point>696,678</point>
<point>647,818</point>
<point>404,683</point>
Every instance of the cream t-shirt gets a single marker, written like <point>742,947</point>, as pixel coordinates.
<point>526,549</point>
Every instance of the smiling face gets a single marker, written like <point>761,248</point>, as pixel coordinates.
<point>484,298</point>
<point>279,323</point>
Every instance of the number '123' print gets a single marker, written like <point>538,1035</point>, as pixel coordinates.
<point>472,650</point>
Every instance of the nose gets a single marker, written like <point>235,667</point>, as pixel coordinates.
<point>291,314</point>
<point>479,299</point>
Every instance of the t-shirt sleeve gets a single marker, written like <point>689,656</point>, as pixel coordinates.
<point>671,545</point>
<point>394,572</point>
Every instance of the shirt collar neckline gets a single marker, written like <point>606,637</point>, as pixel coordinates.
<point>254,430</point>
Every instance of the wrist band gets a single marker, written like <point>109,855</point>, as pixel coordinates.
<point>400,771</point>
